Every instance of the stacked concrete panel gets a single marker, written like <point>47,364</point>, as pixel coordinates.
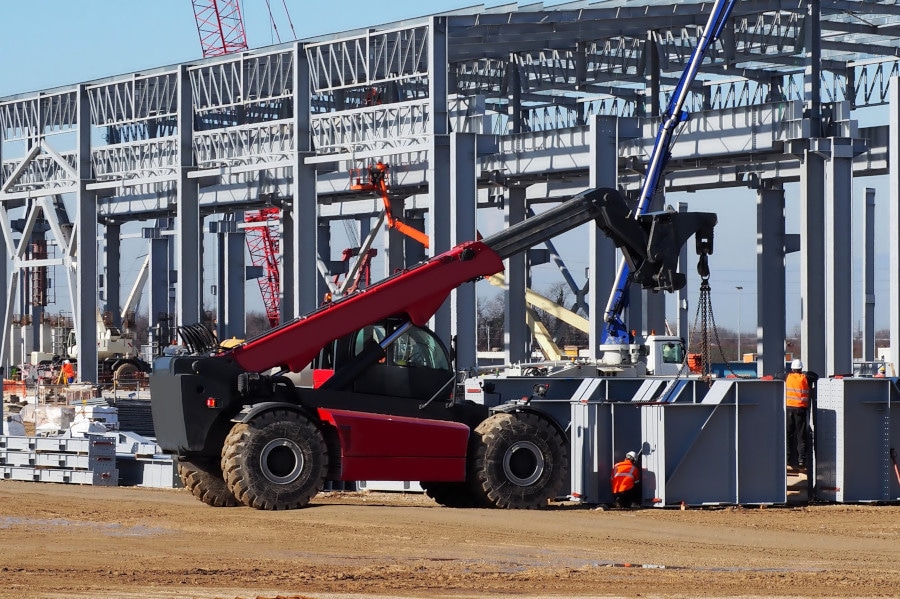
<point>83,461</point>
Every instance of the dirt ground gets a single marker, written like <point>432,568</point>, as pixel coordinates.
<point>128,542</point>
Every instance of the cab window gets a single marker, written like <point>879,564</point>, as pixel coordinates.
<point>673,353</point>
<point>418,348</point>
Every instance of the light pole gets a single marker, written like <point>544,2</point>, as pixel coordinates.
<point>739,289</point>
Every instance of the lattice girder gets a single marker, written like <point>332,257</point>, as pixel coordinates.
<point>136,99</point>
<point>242,81</point>
<point>368,59</point>
<point>38,116</point>
<point>389,125</point>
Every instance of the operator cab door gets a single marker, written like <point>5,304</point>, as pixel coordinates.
<point>416,365</point>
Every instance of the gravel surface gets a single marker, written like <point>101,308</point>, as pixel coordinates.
<point>70,541</point>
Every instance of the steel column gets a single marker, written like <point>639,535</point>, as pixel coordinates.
<point>517,333</point>
<point>85,301</point>
<point>158,305</point>
<point>868,291</point>
<point>112,280</point>
<point>188,240</point>
<point>681,309</point>
<point>812,262</point>
<point>234,318</point>
<point>301,270</point>
<point>602,254</point>
<point>838,291</point>
<point>770,280</point>
<point>464,192</point>
<point>440,204</point>
<point>894,222</point>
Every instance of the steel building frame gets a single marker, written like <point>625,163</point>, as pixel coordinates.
<point>507,106</point>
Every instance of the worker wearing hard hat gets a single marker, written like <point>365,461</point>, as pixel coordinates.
<point>68,372</point>
<point>881,372</point>
<point>797,401</point>
<point>626,481</point>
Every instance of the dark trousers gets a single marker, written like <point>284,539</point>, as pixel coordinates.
<point>629,498</point>
<point>797,435</point>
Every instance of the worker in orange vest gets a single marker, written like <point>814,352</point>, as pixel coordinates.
<point>68,372</point>
<point>626,481</point>
<point>796,397</point>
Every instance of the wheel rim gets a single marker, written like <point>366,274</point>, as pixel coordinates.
<point>281,461</point>
<point>523,463</point>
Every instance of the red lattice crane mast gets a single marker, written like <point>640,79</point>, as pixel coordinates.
<point>220,26</point>
<point>262,241</point>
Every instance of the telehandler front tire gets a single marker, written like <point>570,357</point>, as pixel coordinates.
<point>203,478</point>
<point>276,461</point>
<point>519,460</point>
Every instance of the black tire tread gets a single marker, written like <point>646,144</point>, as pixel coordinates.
<point>486,468</point>
<point>240,480</point>
<point>206,483</point>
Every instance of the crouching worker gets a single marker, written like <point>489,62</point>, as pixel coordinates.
<point>626,482</point>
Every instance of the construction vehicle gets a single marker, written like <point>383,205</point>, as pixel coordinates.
<point>117,354</point>
<point>359,389</point>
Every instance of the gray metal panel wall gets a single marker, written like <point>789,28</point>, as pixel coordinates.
<point>601,434</point>
<point>858,422</point>
<point>726,449</point>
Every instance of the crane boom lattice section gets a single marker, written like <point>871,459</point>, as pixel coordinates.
<point>220,27</point>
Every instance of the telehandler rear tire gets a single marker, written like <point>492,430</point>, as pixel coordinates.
<point>276,461</point>
<point>203,478</point>
<point>519,460</point>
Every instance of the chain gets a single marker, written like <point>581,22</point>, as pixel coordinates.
<point>707,322</point>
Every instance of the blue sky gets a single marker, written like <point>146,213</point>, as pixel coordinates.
<point>47,43</point>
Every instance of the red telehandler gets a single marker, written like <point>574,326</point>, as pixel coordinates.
<point>359,389</point>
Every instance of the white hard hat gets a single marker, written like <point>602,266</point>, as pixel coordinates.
<point>797,365</point>
<point>631,456</point>
<point>66,362</point>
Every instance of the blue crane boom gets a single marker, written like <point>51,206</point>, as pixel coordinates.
<point>675,114</point>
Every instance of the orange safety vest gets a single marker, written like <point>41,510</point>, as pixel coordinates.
<point>624,476</point>
<point>796,390</point>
